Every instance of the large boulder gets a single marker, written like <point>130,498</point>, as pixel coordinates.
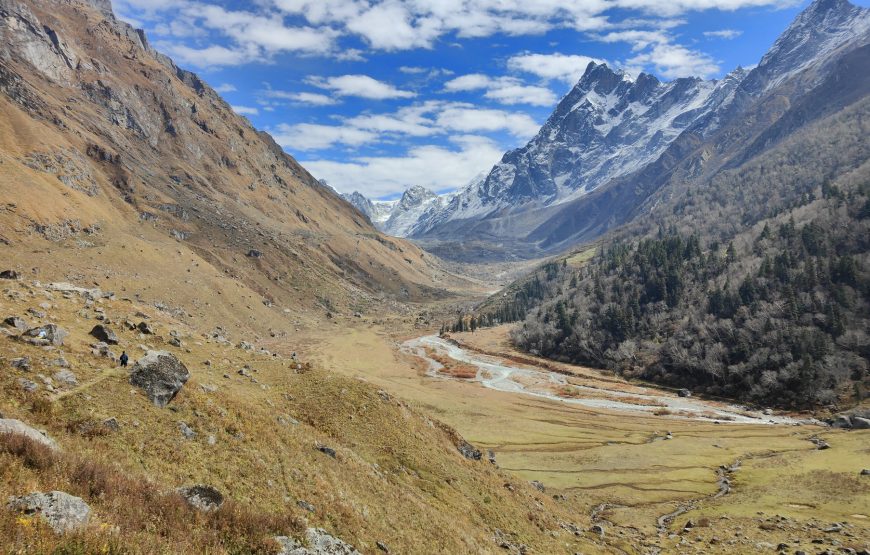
<point>319,542</point>
<point>160,375</point>
<point>49,334</point>
<point>859,423</point>
<point>202,497</point>
<point>62,511</point>
<point>104,334</point>
<point>17,427</point>
<point>841,421</point>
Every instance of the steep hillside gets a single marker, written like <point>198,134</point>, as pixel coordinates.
<point>289,445</point>
<point>120,168</point>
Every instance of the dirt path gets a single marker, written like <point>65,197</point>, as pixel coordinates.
<point>103,376</point>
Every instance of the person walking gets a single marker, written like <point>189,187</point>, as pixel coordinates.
<point>124,358</point>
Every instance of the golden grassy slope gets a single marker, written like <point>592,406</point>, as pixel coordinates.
<point>182,190</point>
<point>398,478</point>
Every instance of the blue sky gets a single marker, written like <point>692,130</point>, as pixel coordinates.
<point>380,95</point>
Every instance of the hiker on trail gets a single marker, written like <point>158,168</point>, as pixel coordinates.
<point>124,358</point>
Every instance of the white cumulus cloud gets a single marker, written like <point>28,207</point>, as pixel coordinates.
<point>362,86</point>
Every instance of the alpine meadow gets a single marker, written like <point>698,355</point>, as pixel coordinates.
<point>348,277</point>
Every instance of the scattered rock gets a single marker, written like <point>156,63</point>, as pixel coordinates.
<point>175,342</point>
<point>254,253</point>
<point>319,542</point>
<point>598,529</point>
<point>160,375</point>
<point>66,377</point>
<point>60,362</point>
<point>490,455</point>
<point>537,485</point>
<point>820,444</point>
<point>49,334</point>
<point>9,274</point>
<point>143,327</point>
<point>186,430</point>
<point>102,349</point>
<point>385,397</point>
<point>27,385</point>
<point>36,313</point>
<point>104,334</point>
<point>305,505</point>
<point>17,427</point>
<point>63,512</point>
<point>16,322</point>
<point>468,450</point>
<point>836,527</point>
<point>326,450</point>
<point>865,472</point>
<point>506,542</point>
<point>22,363</point>
<point>202,497</point>
<point>684,393</point>
<point>112,424</point>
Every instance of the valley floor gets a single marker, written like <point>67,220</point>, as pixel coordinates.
<point>605,481</point>
<point>656,479</point>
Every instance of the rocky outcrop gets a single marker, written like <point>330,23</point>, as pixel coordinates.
<point>318,542</point>
<point>24,37</point>
<point>468,450</point>
<point>202,497</point>
<point>17,427</point>
<point>63,512</point>
<point>160,375</point>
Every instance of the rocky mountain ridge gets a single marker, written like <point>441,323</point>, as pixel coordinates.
<point>611,130</point>
<point>401,217</point>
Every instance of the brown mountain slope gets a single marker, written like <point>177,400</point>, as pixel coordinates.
<point>120,168</point>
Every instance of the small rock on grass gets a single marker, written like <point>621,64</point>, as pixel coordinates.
<point>202,497</point>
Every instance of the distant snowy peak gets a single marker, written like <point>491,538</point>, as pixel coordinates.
<point>822,28</point>
<point>608,125</point>
<point>398,217</point>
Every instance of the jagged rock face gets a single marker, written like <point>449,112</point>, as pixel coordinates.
<point>22,35</point>
<point>361,203</point>
<point>62,511</point>
<point>607,126</point>
<point>160,375</point>
<point>813,36</point>
<point>399,218</point>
